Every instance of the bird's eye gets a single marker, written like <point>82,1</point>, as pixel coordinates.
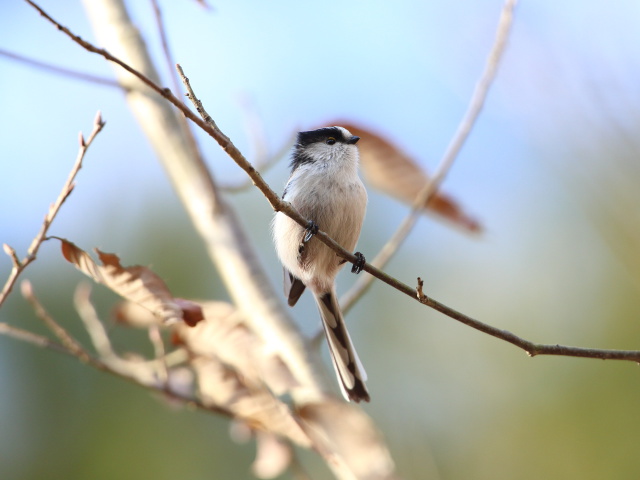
<point>330,141</point>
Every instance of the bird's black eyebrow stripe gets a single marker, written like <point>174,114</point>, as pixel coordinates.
<point>320,135</point>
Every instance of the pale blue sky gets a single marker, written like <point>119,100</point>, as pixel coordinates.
<point>406,68</point>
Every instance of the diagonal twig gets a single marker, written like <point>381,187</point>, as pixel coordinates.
<point>162,32</point>
<point>20,265</point>
<point>66,72</point>
<point>32,338</point>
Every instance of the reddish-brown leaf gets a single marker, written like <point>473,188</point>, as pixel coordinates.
<point>387,168</point>
<point>191,311</point>
<point>137,284</point>
<point>224,335</point>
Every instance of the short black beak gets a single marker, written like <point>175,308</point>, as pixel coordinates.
<point>353,140</point>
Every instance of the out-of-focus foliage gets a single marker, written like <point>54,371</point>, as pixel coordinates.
<point>551,170</point>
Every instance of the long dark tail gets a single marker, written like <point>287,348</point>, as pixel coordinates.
<point>345,359</point>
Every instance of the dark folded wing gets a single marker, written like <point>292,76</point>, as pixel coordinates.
<point>293,288</point>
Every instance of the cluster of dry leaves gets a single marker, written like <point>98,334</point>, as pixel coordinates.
<point>217,363</point>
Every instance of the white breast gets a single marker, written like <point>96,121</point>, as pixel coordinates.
<point>333,196</point>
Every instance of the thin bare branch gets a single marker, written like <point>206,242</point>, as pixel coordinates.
<point>19,266</point>
<point>159,351</point>
<point>162,32</point>
<point>431,187</point>
<point>66,72</point>
<point>168,57</point>
<point>32,338</point>
<point>92,323</point>
<point>208,125</point>
<point>69,343</point>
<point>532,349</point>
<point>212,124</point>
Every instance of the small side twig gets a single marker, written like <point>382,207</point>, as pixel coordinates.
<point>32,338</point>
<point>159,351</point>
<point>208,119</point>
<point>422,298</point>
<point>20,265</point>
<point>162,32</point>
<point>92,324</point>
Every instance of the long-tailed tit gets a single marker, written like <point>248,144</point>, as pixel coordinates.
<point>325,188</point>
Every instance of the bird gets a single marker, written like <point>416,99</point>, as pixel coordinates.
<point>325,188</point>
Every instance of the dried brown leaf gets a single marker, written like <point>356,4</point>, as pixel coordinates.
<point>192,312</point>
<point>387,168</point>
<point>224,335</point>
<point>236,370</point>
<point>222,385</point>
<point>133,315</point>
<point>136,283</point>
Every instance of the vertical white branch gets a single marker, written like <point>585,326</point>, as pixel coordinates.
<point>216,221</point>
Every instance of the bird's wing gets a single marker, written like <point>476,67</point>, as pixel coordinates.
<point>293,287</point>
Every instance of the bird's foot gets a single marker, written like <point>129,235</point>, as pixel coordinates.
<point>310,231</point>
<point>359,263</point>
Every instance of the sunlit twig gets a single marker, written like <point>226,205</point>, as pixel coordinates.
<point>32,251</point>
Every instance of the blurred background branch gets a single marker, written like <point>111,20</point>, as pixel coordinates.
<point>55,69</point>
<point>432,185</point>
